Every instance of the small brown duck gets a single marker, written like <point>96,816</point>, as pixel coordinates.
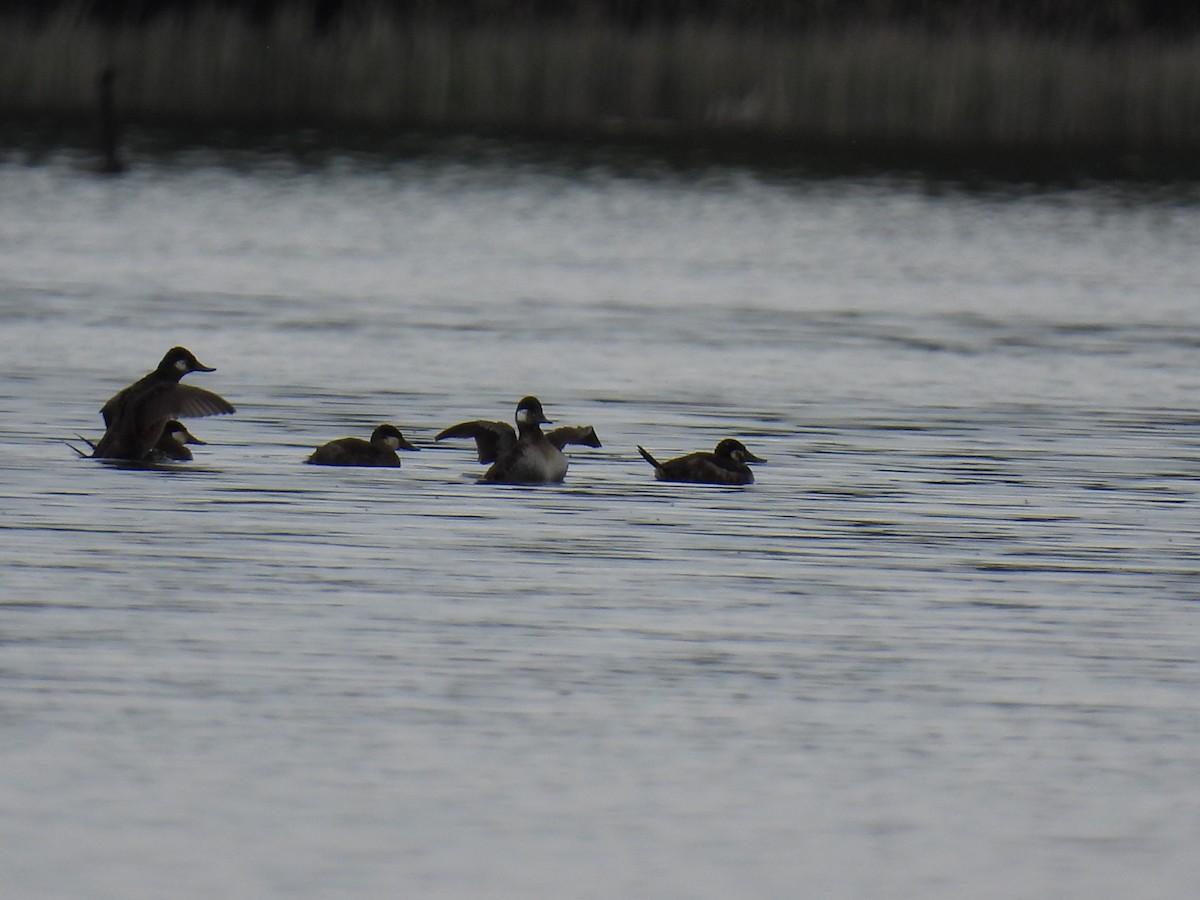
<point>352,451</point>
<point>171,446</point>
<point>136,416</point>
<point>727,464</point>
<point>524,456</point>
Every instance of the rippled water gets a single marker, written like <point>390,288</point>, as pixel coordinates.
<point>946,647</point>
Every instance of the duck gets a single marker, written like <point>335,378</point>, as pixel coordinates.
<point>171,445</point>
<point>136,416</point>
<point>527,455</point>
<point>352,451</point>
<point>727,464</point>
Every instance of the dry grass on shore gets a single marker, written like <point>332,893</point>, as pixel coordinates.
<point>870,83</point>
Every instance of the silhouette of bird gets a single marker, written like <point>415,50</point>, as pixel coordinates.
<point>136,416</point>
<point>727,464</point>
<point>352,451</point>
<point>524,456</point>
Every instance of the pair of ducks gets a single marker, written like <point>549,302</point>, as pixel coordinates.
<point>526,456</point>
<point>141,425</point>
<point>141,421</point>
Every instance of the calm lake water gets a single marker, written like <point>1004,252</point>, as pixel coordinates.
<point>946,647</point>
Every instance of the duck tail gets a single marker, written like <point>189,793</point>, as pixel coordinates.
<point>91,446</point>
<point>647,457</point>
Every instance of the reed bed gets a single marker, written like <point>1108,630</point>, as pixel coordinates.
<point>870,82</point>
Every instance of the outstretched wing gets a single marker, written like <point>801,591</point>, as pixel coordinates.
<point>584,435</point>
<point>184,401</point>
<point>165,402</point>
<point>492,439</point>
<point>180,401</point>
<point>136,419</point>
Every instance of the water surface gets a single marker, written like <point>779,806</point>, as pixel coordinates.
<point>945,647</point>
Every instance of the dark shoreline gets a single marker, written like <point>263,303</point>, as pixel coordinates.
<point>33,141</point>
<point>1004,103</point>
<point>1092,19</point>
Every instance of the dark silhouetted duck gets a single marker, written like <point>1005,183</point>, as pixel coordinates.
<point>727,464</point>
<point>137,416</point>
<point>524,456</point>
<point>171,446</point>
<point>352,451</point>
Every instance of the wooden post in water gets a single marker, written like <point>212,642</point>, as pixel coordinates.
<point>110,129</point>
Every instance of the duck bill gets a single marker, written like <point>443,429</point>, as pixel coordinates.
<point>750,457</point>
<point>405,444</point>
<point>189,438</point>
<point>525,417</point>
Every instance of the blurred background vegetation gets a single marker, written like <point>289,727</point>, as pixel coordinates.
<point>1095,18</point>
<point>1113,78</point>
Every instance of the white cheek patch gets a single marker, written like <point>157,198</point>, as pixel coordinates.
<point>523,417</point>
<point>393,444</point>
<point>181,365</point>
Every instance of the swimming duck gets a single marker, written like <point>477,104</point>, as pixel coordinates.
<point>352,451</point>
<point>136,416</point>
<point>727,464</point>
<point>525,456</point>
<point>171,445</point>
